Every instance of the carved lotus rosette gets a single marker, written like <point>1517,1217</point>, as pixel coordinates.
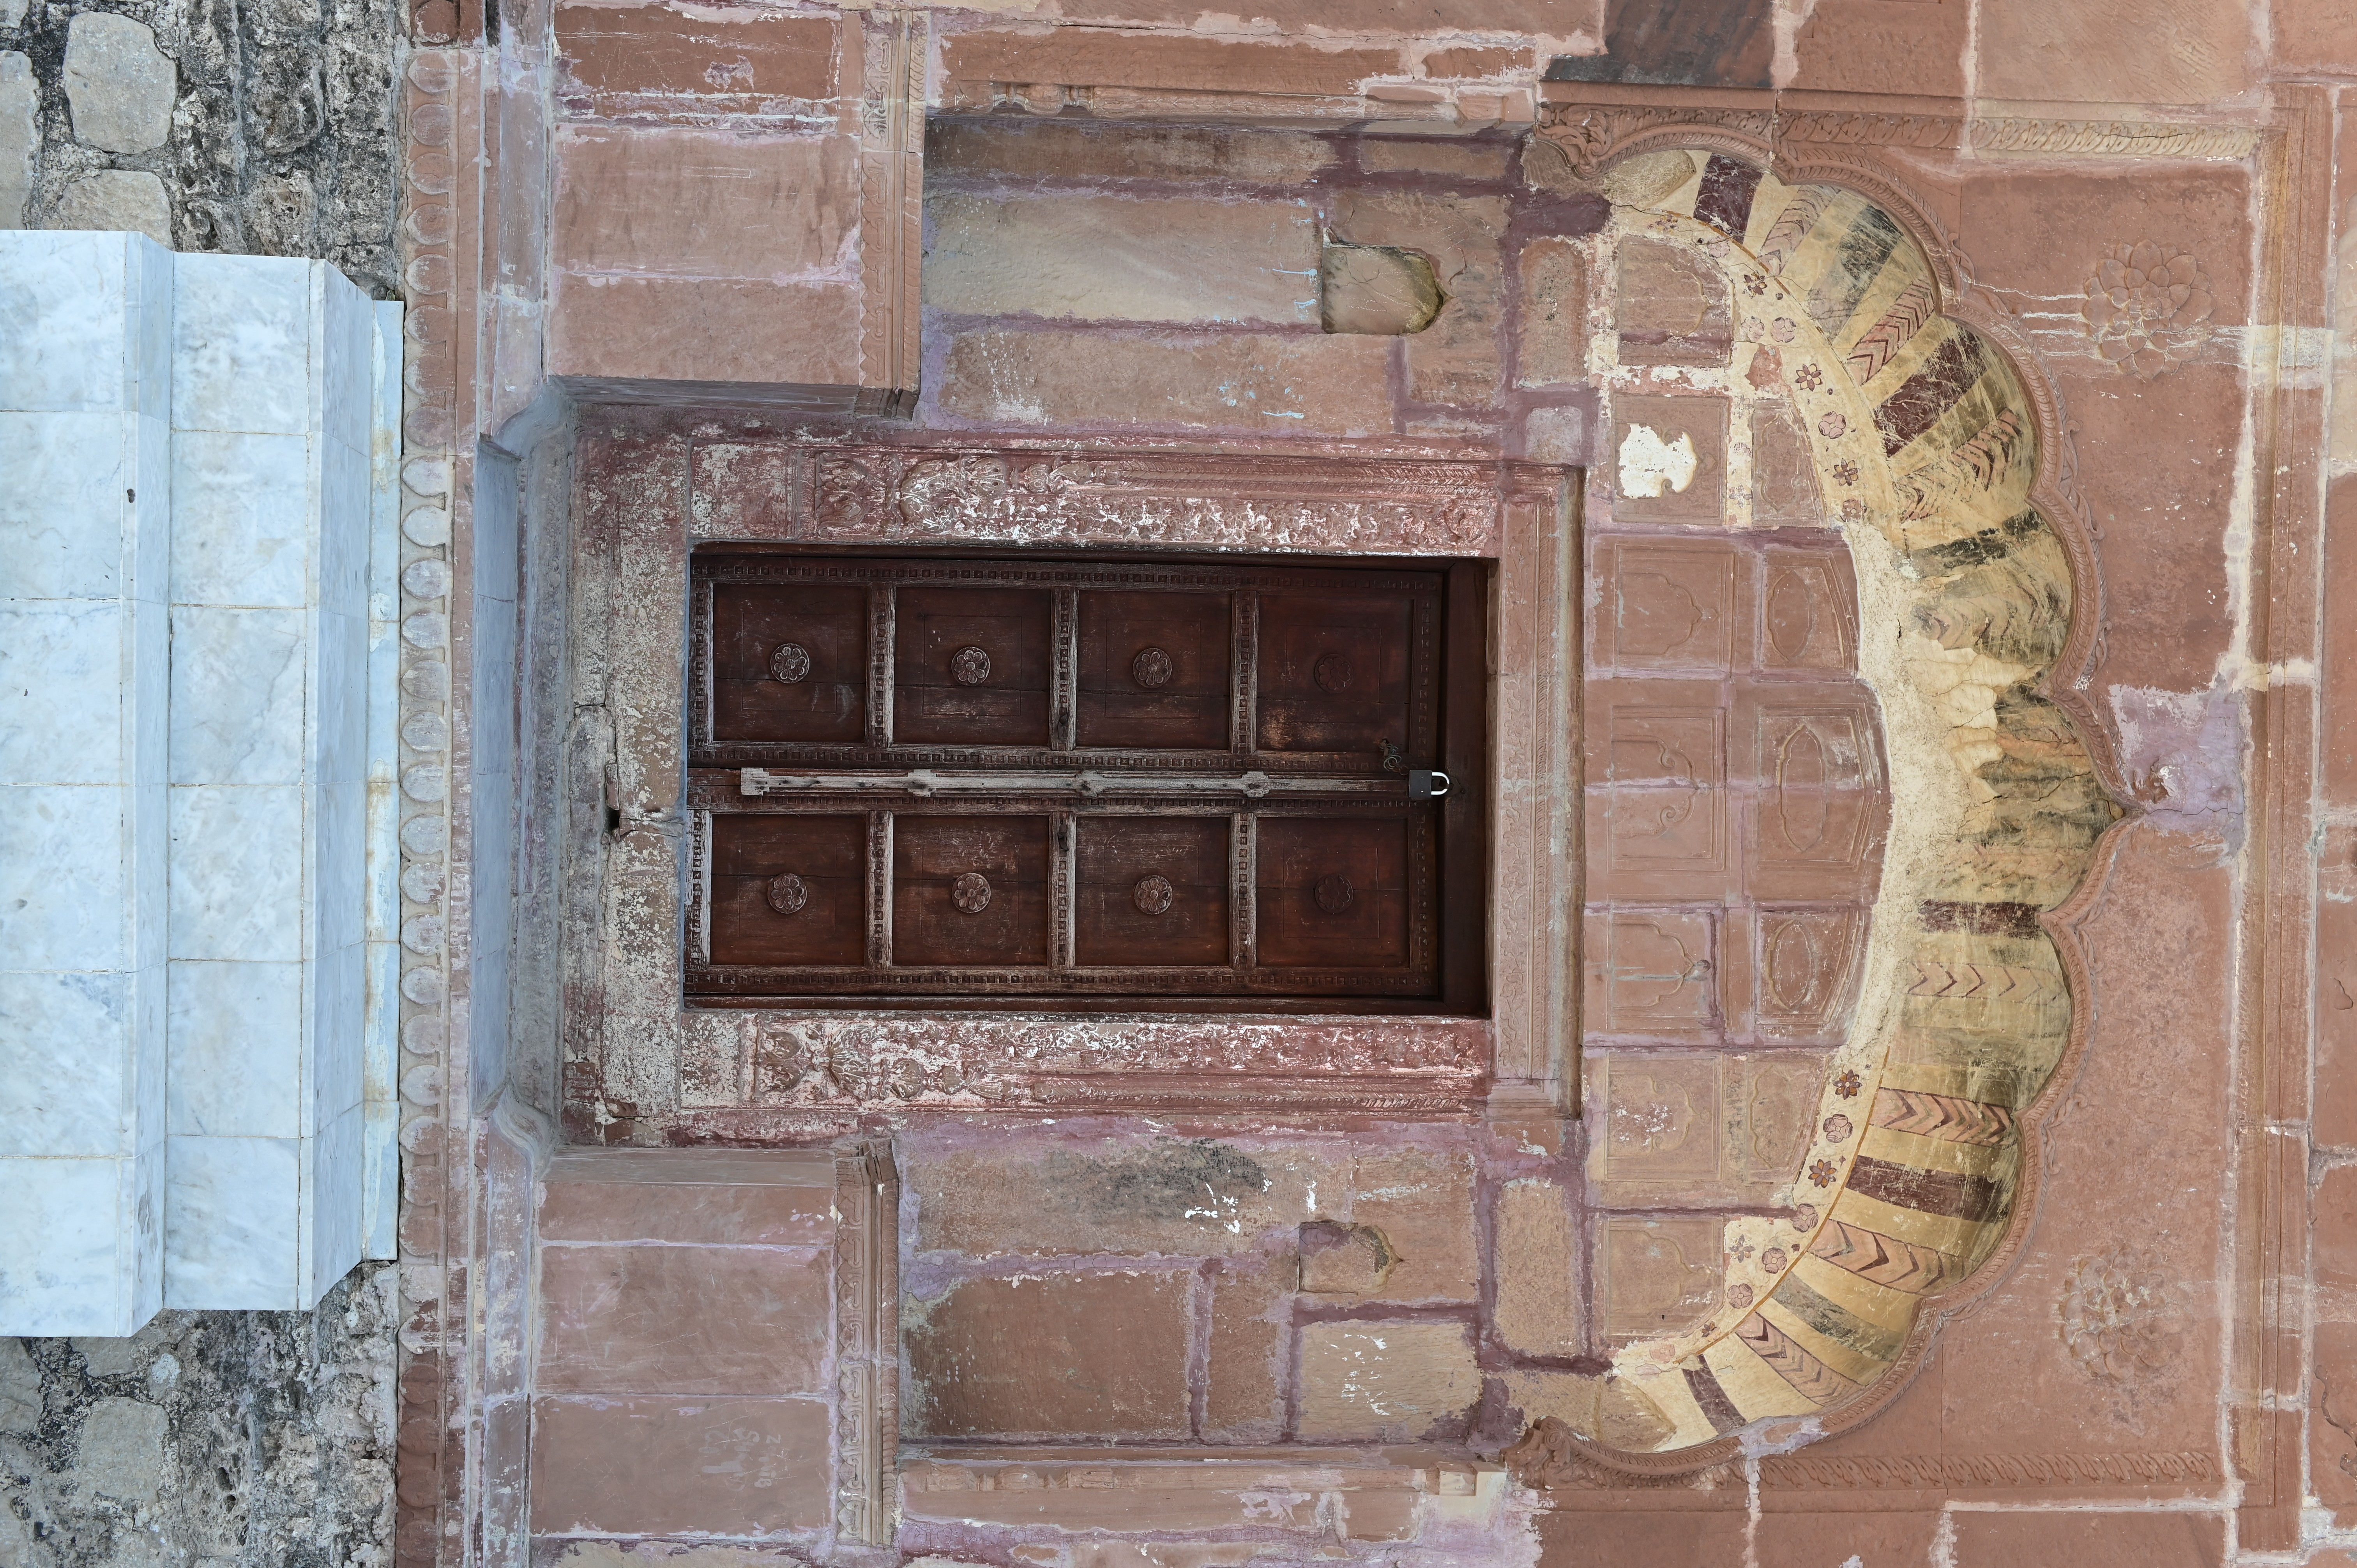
<point>2147,307</point>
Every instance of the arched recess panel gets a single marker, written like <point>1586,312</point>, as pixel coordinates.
<point>1780,360</point>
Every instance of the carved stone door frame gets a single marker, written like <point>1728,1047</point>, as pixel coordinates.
<point>756,1075</point>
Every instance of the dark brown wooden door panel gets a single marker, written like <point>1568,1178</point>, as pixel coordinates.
<point>971,666</point>
<point>789,668</point>
<point>1334,893</point>
<point>1154,670</point>
<point>1335,675</point>
<point>1151,892</point>
<point>970,890</point>
<point>789,890</point>
<point>1031,782</point>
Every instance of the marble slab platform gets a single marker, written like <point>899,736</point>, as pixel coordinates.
<point>197,860</point>
<point>85,356</point>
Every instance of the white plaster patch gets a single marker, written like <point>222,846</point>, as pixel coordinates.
<point>1649,465</point>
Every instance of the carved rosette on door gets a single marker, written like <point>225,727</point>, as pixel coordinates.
<point>1032,782</point>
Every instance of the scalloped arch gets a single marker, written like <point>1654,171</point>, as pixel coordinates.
<point>1949,464</point>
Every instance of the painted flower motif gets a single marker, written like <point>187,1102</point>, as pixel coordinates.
<point>1807,377</point>
<point>1741,1251</point>
<point>1837,1129</point>
<point>1845,472</point>
<point>1848,1085</point>
<point>1823,1173</point>
<point>1804,1218</point>
<point>1773,1260</point>
<point>2146,307</point>
<point>1853,510</point>
<point>1755,284</point>
<point>1739,1296</point>
<point>1782,329</point>
<point>1833,427</point>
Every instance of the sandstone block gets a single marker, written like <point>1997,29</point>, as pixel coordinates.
<point>1553,338</point>
<point>1666,1539</point>
<point>1386,1382</point>
<point>682,1320</point>
<point>2333,1441</point>
<point>701,204</point>
<point>1537,1263</point>
<point>1090,57</point>
<point>705,329</point>
<point>657,51</point>
<point>2316,33</point>
<point>2336,1244</point>
<point>1242,1400</point>
<point>1262,382</point>
<point>2094,51</point>
<point>1094,1355</point>
<point>1860,45</point>
<point>1451,159</point>
<point>1608,1409</point>
<point>1065,150</point>
<point>1455,360</point>
<point>612,1555</point>
<point>1102,259</point>
<point>1564,434</point>
<point>2088,1539</point>
<point>118,83</point>
<point>1423,1204</point>
<point>684,1197</point>
<point>662,1465</point>
<point>1784,487</point>
<point>1161,1554</point>
<point>1657,1276</point>
<point>1199,1197</point>
<point>1673,308</point>
<point>20,136</point>
<point>129,200</point>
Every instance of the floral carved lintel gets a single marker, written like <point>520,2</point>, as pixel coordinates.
<point>823,1062</point>
<point>1029,497</point>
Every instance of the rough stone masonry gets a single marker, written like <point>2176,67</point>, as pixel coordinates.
<point>256,129</point>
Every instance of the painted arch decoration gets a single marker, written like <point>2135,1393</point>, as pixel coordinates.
<point>1943,465</point>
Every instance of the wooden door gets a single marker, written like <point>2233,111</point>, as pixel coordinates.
<point>1026,782</point>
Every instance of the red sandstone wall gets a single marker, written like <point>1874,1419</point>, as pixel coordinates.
<point>2150,1349</point>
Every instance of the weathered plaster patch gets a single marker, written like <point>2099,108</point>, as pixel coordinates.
<point>1649,465</point>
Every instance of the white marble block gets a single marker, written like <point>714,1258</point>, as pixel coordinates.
<point>85,346</point>
<point>381,1097</point>
<point>275,407</point>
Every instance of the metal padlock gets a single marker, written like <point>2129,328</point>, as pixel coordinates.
<point>1426,783</point>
